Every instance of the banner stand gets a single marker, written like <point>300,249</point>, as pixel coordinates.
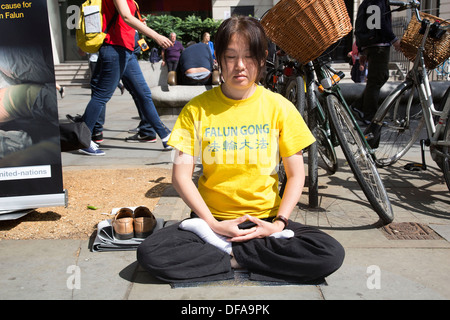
<point>30,149</point>
<point>22,205</point>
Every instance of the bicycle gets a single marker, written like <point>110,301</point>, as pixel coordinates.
<point>288,79</point>
<point>297,93</point>
<point>278,74</point>
<point>282,26</point>
<point>401,117</point>
<point>443,71</point>
<point>318,74</point>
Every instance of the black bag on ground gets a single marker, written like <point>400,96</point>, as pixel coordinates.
<point>74,136</point>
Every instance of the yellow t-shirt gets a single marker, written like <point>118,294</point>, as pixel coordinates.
<point>240,142</point>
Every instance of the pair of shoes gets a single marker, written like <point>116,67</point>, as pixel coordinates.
<point>138,137</point>
<point>93,150</point>
<point>97,137</point>
<point>128,224</point>
<point>76,118</point>
<point>62,92</point>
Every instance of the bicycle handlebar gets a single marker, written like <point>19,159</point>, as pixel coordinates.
<point>406,5</point>
<point>411,4</point>
<point>414,5</point>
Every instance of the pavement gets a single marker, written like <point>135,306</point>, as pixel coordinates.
<point>376,267</point>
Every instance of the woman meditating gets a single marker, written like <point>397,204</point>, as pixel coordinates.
<point>239,130</point>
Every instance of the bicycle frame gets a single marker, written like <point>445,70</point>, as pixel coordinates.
<point>440,127</point>
<point>309,77</point>
<point>336,90</point>
<point>418,76</point>
<point>420,79</point>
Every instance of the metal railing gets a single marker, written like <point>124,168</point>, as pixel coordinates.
<point>399,25</point>
<point>403,65</point>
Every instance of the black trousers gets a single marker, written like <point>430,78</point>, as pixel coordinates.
<point>377,76</point>
<point>172,65</point>
<point>175,255</point>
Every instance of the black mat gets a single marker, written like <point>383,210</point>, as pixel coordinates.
<point>242,278</point>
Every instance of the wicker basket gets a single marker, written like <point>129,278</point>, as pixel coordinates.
<point>436,51</point>
<point>306,28</point>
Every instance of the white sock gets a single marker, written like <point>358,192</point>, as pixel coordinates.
<point>284,234</point>
<point>201,228</point>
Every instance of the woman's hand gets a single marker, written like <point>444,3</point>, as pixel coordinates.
<point>230,229</point>
<point>132,21</point>
<point>163,41</point>
<point>261,230</point>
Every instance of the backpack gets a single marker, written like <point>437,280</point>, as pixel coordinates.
<point>154,55</point>
<point>89,34</point>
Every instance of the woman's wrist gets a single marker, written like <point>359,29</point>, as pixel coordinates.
<point>280,219</point>
<point>278,226</point>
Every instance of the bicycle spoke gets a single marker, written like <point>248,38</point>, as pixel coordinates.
<point>396,126</point>
<point>446,152</point>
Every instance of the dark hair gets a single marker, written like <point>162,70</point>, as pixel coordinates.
<point>245,26</point>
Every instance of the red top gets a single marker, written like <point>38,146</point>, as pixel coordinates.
<point>120,33</point>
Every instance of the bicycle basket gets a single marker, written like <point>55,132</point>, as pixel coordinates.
<point>436,51</point>
<point>306,28</point>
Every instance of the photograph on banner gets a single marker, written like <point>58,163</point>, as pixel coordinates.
<point>30,154</point>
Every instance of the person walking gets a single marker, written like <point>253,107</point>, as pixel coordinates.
<point>116,62</point>
<point>373,41</point>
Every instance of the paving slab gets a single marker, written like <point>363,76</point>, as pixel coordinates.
<point>104,275</point>
<point>442,229</point>
<point>38,269</point>
<point>391,274</point>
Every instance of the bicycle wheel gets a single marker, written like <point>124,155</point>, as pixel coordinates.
<point>282,179</point>
<point>326,149</point>
<point>295,92</point>
<point>271,80</point>
<point>397,125</point>
<point>437,152</point>
<point>359,159</point>
<point>446,158</point>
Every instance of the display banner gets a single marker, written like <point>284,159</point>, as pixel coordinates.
<point>30,153</point>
